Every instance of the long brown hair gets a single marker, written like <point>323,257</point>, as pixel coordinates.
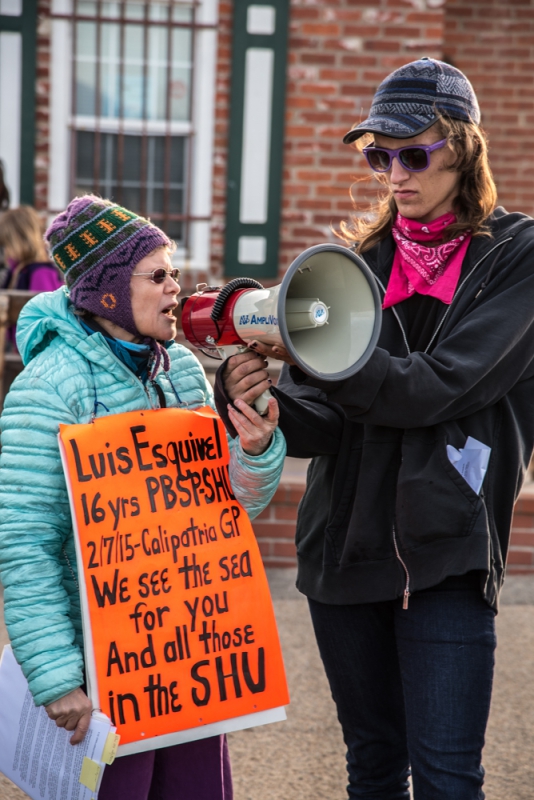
<point>21,235</point>
<point>476,198</point>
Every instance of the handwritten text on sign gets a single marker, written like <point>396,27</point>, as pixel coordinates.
<point>176,598</point>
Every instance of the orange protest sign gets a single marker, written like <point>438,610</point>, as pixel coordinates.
<point>181,639</point>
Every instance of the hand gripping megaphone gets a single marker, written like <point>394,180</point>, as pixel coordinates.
<point>326,312</point>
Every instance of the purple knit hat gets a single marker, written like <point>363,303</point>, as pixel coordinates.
<point>97,245</point>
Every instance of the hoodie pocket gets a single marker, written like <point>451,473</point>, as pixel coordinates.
<point>433,500</point>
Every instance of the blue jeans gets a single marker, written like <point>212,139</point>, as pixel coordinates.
<point>412,688</point>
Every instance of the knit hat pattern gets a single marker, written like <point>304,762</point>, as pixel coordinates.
<point>97,244</point>
<point>412,97</point>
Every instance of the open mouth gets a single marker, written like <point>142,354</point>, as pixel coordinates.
<point>169,310</point>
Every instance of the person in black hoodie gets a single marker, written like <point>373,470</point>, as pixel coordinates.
<point>401,548</point>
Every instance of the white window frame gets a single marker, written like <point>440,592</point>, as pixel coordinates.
<point>201,128</point>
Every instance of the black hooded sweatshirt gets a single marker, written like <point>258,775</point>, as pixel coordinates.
<point>385,513</point>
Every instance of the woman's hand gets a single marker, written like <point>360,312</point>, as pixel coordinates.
<point>276,351</point>
<point>245,376</point>
<point>72,712</point>
<point>254,432</point>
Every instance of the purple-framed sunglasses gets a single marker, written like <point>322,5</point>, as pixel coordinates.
<point>414,158</point>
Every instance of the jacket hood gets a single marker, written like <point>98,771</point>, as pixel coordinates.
<point>47,315</point>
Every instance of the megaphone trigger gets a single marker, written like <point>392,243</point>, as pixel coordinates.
<point>326,313</point>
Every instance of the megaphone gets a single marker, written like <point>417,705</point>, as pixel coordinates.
<point>326,312</point>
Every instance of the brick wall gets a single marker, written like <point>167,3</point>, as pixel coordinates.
<point>521,556</point>
<point>338,54</point>
<point>42,106</point>
<point>275,530</point>
<point>222,118</point>
<point>493,42</point>
<point>275,527</point>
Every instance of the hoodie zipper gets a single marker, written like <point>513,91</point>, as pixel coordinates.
<point>407,593</point>
<point>460,287</point>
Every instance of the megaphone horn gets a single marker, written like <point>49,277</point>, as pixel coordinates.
<point>326,313</point>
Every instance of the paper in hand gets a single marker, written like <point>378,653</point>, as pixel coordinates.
<point>471,461</point>
<point>37,755</point>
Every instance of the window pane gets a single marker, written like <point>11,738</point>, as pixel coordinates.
<point>132,158</point>
<point>134,10</point>
<point>158,159</point>
<point>108,165</point>
<point>133,94</point>
<point>176,201</point>
<point>158,11</point>
<point>157,73</point>
<point>110,10</point>
<point>86,68</point>
<point>182,13</point>
<point>109,70</point>
<point>177,170</point>
<point>175,230</point>
<point>84,162</point>
<point>180,74</point>
<point>86,8</point>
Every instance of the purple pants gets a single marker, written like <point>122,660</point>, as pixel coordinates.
<point>192,771</point>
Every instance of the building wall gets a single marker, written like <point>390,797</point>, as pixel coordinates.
<point>493,43</point>
<point>338,54</point>
<point>42,106</point>
<point>222,118</point>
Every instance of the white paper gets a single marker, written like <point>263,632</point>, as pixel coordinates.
<point>471,461</point>
<point>34,753</point>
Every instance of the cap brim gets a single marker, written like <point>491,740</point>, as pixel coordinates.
<point>386,126</point>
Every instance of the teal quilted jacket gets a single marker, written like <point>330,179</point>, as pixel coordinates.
<point>66,373</point>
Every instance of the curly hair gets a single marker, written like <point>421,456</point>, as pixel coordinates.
<point>476,198</point>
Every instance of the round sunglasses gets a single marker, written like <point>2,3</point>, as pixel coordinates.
<point>159,275</point>
<point>414,158</point>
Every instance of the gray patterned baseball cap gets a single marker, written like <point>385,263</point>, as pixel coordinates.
<point>409,100</point>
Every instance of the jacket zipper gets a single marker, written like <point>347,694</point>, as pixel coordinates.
<point>406,594</point>
<point>460,287</point>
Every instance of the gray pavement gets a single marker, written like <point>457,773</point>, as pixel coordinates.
<point>303,758</point>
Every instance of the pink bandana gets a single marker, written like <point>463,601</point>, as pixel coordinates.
<point>423,268</point>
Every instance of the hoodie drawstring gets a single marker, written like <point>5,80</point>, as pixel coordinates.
<point>97,401</point>
<point>489,273</point>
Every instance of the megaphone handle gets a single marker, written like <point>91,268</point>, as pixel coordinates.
<point>261,404</point>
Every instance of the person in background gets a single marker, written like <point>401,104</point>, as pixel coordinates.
<point>4,205</point>
<point>402,554</point>
<point>21,237</point>
<point>4,191</point>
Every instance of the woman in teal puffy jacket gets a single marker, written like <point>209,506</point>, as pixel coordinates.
<point>102,345</point>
